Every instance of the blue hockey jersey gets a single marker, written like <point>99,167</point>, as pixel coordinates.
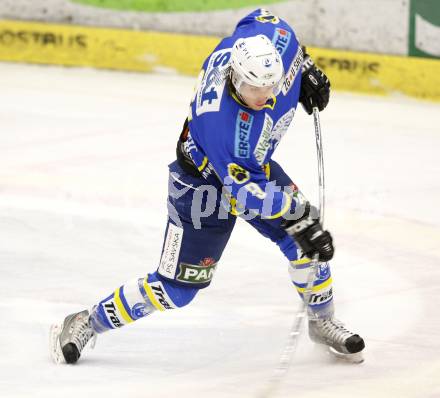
<point>234,142</point>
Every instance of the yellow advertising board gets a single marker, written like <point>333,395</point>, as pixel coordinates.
<point>380,74</point>
<point>102,48</point>
<point>148,51</point>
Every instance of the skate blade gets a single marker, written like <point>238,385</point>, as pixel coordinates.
<point>355,358</point>
<point>54,344</point>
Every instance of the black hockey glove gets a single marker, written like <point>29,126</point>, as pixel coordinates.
<point>315,86</point>
<point>308,233</point>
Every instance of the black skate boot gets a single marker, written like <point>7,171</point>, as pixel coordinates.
<point>68,339</point>
<point>341,342</point>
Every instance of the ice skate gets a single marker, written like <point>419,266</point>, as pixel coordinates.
<point>341,342</point>
<point>68,339</point>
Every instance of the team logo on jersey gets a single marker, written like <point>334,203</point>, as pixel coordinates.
<point>266,16</point>
<point>293,70</point>
<point>264,142</point>
<point>238,173</point>
<point>243,127</point>
<point>281,40</point>
<point>191,273</point>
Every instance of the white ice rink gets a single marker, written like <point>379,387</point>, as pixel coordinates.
<point>83,181</point>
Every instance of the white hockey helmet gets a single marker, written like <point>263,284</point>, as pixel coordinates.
<point>256,61</point>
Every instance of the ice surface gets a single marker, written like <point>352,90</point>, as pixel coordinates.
<point>83,180</point>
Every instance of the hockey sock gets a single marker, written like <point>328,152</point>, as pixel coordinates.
<point>321,300</point>
<point>136,299</point>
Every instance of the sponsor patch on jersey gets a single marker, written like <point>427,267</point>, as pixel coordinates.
<point>293,70</point>
<point>238,173</point>
<point>191,273</point>
<point>243,126</point>
<point>281,40</point>
<point>171,250</point>
<point>264,142</point>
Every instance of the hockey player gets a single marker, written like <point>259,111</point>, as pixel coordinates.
<point>247,95</point>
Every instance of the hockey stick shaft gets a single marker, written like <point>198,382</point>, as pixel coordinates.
<point>301,315</point>
<point>321,203</point>
<point>320,156</point>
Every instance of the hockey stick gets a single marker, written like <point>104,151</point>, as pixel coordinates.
<point>301,315</point>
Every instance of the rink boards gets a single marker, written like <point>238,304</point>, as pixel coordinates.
<point>149,51</point>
